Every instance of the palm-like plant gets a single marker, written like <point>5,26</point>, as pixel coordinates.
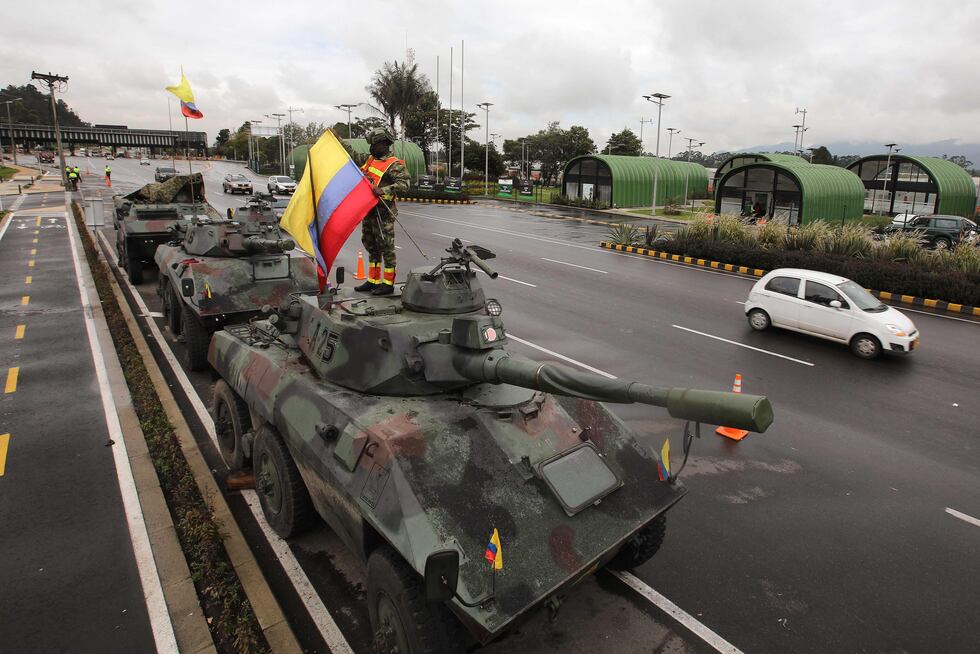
<point>397,88</point>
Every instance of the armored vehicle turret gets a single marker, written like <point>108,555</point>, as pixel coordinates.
<point>409,428</point>
<point>143,219</point>
<point>215,272</point>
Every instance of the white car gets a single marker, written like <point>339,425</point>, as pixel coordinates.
<point>281,185</point>
<point>831,307</point>
<point>144,161</point>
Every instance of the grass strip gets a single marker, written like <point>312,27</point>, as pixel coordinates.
<point>230,617</point>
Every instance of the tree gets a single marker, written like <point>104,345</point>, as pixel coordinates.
<point>34,107</point>
<point>398,88</point>
<point>476,158</point>
<point>625,143</point>
<point>960,161</point>
<point>822,155</point>
<point>222,137</point>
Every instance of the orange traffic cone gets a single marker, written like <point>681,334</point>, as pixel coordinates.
<point>731,432</point>
<point>108,181</point>
<point>360,266</point>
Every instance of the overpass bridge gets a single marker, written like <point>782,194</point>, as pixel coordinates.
<point>104,136</point>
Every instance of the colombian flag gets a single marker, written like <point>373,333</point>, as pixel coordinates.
<point>494,553</point>
<point>183,91</point>
<point>663,467</point>
<point>332,197</point>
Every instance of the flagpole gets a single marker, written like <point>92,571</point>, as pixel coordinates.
<point>170,119</point>
<point>187,153</point>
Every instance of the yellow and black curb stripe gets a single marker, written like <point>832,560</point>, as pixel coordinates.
<point>434,201</point>
<point>758,272</point>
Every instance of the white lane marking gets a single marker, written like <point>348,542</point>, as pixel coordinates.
<point>739,302</point>
<point>156,605</point>
<point>747,347</point>
<point>311,600</point>
<point>962,516</point>
<point>398,247</point>
<point>450,237</point>
<point>561,356</point>
<point>6,224</point>
<point>718,643</point>
<point>934,315</point>
<point>517,281</point>
<point>574,265</point>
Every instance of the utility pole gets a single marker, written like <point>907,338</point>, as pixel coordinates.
<point>51,81</point>
<point>802,124</point>
<point>291,110</point>
<point>670,141</point>
<point>282,145</point>
<point>348,107</point>
<point>10,126</point>
<point>687,177</point>
<point>643,120</point>
<point>796,138</point>
<point>486,148</point>
<point>657,99</point>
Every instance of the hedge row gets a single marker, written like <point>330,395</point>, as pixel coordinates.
<point>894,276</point>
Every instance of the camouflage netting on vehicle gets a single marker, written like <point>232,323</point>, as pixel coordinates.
<point>180,188</point>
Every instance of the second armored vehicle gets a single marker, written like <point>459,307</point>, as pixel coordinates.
<point>217,272</point>
<point>476,485</point>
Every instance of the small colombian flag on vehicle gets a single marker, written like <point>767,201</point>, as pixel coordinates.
<point>494,553</point>
<point>663,468</point>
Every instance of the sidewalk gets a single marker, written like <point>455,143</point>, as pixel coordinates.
<point>30,180</point>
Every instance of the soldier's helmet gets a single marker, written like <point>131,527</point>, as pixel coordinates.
<point>379,134</point>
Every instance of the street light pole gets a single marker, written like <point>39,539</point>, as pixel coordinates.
<point>888,165</point>
<point>282,145</point>
<point>670,140</point>
<point>10,126</point>
<point>251,134</point>
<point>348,107</point>
<point>486,147</point>
<point>643,120</point>
<point>796,138</point>
<point>657,99</point>
<point>687,177</point>
<point>291,110</point>
<point>802,124</point>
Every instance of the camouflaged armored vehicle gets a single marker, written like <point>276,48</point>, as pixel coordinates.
<point>405,424</point>
<point>144,217</point>
<point>218,272</point>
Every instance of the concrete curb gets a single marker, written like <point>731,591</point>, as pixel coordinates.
<point>758,272</point>
<point>268,613</point>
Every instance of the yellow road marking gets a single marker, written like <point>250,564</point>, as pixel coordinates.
<point>30,264</point>
<point>37,221</point>
<point>34,251</point>
<point>36,231</point>
<point>28,279</point>
<point>20,331</point>
<point>11,380</point>
<point>24,300</point>
<point>4,440</point>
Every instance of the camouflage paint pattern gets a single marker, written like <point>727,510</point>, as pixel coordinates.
<point>237,268</point>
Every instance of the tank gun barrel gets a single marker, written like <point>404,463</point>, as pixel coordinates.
<point>480,263</point>
<point>259,245</point>
<point>742,411</point>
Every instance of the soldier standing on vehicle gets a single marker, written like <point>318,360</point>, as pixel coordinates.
<point>389,177</point>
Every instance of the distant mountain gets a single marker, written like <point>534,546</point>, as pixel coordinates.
<point>863,148</point>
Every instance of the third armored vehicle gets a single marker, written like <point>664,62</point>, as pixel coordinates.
<point>216,272</point>
<point>143,218</point>
<point>430,450</point>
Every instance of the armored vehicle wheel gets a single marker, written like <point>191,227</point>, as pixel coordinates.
<point>285,502</point>
<point>134,270</point>
<point>401,618</point>
<point>641,546</point>
<point>231,421</point>
<point>172,307</point>
<point>196,340</point>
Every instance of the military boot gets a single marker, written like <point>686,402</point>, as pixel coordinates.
<point>366,287</point>
<point>383,289</point>
<point>373,280</point>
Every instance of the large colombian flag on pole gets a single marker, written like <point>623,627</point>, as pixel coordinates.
<point>183,91</point>
<point>330,199</point>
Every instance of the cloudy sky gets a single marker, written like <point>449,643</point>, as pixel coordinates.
<point>736,70</point>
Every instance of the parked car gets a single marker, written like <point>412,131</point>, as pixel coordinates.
<point>163,174</point>
<point>144,161</point>
<point>236,183</point>
<point>281,184</point>
<point>830,307</point>
<point>109,157</point>
<point>941,232</point>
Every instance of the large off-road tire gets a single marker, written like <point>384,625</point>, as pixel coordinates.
<point>641,546</point>
<point>285,501</point>
<point>231,421</point>
<point>172,306</point>
<point>402,619</point>
<point>196,340</point>
<point>134,270</point>
<point>865,346</point>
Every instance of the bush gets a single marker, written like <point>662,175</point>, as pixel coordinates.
<point>624,234</point>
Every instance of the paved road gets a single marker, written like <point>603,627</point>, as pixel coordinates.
<point>831,531</point>
<point>69,575</point>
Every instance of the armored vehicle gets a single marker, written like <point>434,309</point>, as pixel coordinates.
<point>218,272</point>
<point>144,217</point>
<point>407,426</point>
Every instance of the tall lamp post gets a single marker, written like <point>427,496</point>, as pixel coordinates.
<point>687,178</point>
<point>486,147</point>
<point>796,138</point>
<point>347,108</point>
<point>523,157</point>
<point>291,110</point>
<point>10,126</point>
<point>282,145</point>
<point>642,121</point>
<point>657,99</point>
<point>802,124</point>
<point>888,165</point>
<point>250,136</point>
<point>670,139</point>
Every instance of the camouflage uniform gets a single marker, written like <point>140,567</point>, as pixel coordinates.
<point>378,227</point>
